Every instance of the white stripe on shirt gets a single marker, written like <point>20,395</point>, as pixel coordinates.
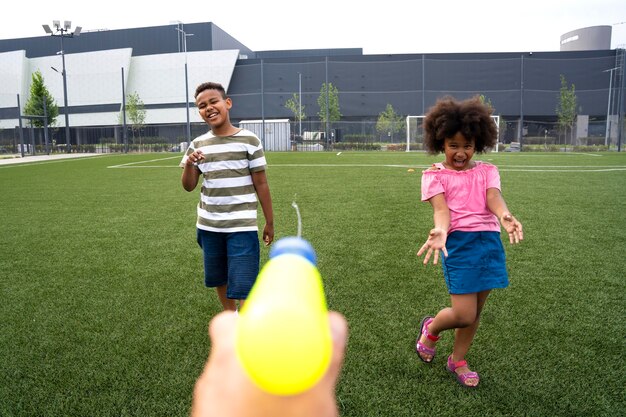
<point>227,182</point>
<point>243,214</point>
<point>222,165</point>
<point>233,199</point>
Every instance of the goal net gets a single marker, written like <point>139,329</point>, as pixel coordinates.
<point>415,132</point>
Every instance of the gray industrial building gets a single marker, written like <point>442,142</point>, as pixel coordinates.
<point>522,86</point>
<point>589,38</point>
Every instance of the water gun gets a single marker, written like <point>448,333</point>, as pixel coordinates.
<point>283,338</point>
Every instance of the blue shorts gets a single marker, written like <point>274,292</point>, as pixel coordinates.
<point>230,259</point>
<point>475,262</point>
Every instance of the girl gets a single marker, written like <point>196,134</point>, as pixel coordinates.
<point>468,210</point>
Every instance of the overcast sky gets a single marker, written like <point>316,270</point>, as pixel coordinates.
<point>379,27</point>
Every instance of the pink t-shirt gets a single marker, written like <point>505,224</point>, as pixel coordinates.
<point>466,195</point>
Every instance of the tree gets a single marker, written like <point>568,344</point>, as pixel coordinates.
<point>333,104</point>
<point>135,113</point>
<point>389,122</point>
<point>293,104</point>
<point>34,105</point>
<point>566,109</point>
<point>483,99</point>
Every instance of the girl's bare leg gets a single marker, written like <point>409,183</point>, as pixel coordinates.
<point>464,336</point>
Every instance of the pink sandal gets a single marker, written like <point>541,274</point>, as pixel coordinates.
<point>422,348</point>
<point>461,379</point>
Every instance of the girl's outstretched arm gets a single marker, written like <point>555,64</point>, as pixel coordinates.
<point>439,234</point>
<point>497,206</point>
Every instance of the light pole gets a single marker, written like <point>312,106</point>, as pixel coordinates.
<point>608,110</point>
<point>186,81</point>
<point>64,32</point>
<point>521,101</point>
<point>300,104</point>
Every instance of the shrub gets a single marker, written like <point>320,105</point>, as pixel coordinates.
<point>582,148</point>
<point>593,141</point>
<point>540,148</point>
<point>401,147</point>
<point>539,140</point>
<point>358,137</point>
<point>356,146</point>
<point>85,148</point>
<point>395,147</point>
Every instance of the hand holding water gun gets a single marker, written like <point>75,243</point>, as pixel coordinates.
<point>282,354</point>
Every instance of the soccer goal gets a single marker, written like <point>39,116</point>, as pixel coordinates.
<point>415,132</point>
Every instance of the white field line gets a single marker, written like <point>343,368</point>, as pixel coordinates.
<point>350,165</point>
<point>134,164</point>
<point>49,161</point>
<point>507,168</point>
<point>564,170</point>
<point>551,154</point>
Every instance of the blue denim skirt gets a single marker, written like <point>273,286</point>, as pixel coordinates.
<point>475,262</point>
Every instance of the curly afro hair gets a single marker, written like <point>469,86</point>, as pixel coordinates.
<point>471,117</point>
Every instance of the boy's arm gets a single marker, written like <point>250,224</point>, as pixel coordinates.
<point>259,179</point>
<point>497,206</point>
<point>190,176</point>
<point>191,172</point>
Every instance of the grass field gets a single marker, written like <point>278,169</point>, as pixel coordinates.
<point>103,311</point>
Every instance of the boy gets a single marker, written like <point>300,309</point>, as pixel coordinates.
<point>232,163</point>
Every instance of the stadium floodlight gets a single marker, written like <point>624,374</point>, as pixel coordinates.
<point>63,32</point>
<point>300,104</point>
<point>185,34</point>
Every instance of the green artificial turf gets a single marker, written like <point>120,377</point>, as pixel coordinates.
<point>104,312</point>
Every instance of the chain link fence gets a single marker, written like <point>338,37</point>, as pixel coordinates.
<point>307,135</point>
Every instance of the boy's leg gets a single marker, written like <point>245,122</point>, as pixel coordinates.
<point>243,265</point>
<point>215,265</point>
<point>227,303</point>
